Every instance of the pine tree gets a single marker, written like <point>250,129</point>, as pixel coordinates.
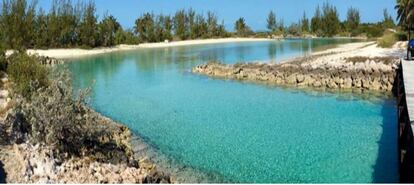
<point>18,23</point>
<point>88,27</point>
<point>352,21</point>
<point>108,27</point>
<point>145,28</point>
<point>180,25</point>
<point>212,24</point>
<point>192,24</point>
<point>330,20</point>
<point>305,23</point>
<point>241,28</point>
<point>388,21</point>
<point>271,22</point>
<point>316,22</point>
<point>41,36</point>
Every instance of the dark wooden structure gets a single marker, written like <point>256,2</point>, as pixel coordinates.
<point>405,104</point>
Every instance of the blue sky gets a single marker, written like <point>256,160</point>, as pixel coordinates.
<point>254,11</point>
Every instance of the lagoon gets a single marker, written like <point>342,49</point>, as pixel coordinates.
<point>244,132</point>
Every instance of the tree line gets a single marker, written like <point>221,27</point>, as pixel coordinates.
<point>185,24</point>
<point>65,25</point>
<point>68,24</point>
<point>326,23</point>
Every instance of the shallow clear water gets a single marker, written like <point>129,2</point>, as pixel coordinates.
<point>244,132</point>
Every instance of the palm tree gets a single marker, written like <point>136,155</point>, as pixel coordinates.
<point>405,10</point>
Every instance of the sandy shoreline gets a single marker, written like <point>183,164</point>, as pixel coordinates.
<point>76,52</point>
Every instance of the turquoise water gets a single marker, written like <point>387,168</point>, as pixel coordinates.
<point>244,132</point>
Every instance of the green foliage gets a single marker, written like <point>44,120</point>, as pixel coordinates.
<point>316,22</point>
<point>330,20</point>
<point>388,21</point>
<point>41,35</point>
<point>242,30</point>
<point>371,30</point>
<point>199,29</point>
<point>271,22</point>
<point>65,25</point>
<point>352,21</point>
<point>125,37</point>
<point>108,27</point>
<point>212,25</point>
<point>88,27</point>
<point>295,29</point>
<point>387,40</point>
<point>180,25</point>
<point>26,73</point>
<point>145,28</point>
<point>185,25</point>
<point>405,11</point>
<point>17,23</point>
<point>305,23</point>
<point>62,25</point>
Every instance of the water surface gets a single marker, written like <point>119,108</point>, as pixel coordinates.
<point>241,131</point>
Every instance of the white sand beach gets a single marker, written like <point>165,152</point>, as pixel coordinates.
<point>76,52</point>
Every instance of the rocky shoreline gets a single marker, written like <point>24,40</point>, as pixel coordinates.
<point>111,160</point>
<point>334,70</point>
<point>28,163</point>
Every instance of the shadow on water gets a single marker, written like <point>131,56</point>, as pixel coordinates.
<point>2,173</point>
<point>386,166</point>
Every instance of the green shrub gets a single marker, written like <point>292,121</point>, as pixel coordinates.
<point>26,73</point>
<point>387,40</point>
<point>371,30</point>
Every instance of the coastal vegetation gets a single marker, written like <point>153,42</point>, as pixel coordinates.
<point>387,40</point>
<point>49,124</point>
<point>326,23</point>
<point>67,24</point>
<point>182,26</point>
<point>242,30</point>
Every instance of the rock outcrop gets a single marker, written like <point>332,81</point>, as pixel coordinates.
<point>37,164</point>
<point>344,73</point>
<point>29,163</point>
